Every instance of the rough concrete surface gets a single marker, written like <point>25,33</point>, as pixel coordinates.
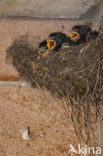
<point>51,131</point>
<point>47,8</point>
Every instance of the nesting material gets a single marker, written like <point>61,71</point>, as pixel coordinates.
<point>75,73</point>
<point>25,133</point>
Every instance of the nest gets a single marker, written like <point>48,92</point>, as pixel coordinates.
<point>74,73</point>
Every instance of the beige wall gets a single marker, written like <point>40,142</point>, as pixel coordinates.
<point>50,8</point>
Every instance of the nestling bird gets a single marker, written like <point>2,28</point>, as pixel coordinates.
<point>54,42</point>
<point>93,34</point>
<point>82,34</point>
<point>43,47</point>
<point>79,33</point>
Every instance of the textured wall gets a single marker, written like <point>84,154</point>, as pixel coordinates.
<point>50,8</point>
<point>51,132</point>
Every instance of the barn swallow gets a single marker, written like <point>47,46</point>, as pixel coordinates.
<point>79,33</point>
<point>53,43</point>
<point>94,34</point>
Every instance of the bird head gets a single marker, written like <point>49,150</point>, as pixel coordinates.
<point>46,46</point>
<point>79,32</point>
<point>43,47</point>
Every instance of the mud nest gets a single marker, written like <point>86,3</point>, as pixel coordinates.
<point>75,73</point>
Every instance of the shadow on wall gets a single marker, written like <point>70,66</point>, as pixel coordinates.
<point>94,13</point>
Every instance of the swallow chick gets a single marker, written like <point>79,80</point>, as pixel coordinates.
<point>43,48</point>
<point>79,33</point>
<point>94,34</point>
<point>53,43</point>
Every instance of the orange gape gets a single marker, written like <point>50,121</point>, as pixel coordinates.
<point>73,35</point>
<point>51,44</point>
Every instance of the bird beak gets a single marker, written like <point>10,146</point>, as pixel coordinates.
<point>42,51</point>
<point>51,44</point>
<point>74,35</point>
